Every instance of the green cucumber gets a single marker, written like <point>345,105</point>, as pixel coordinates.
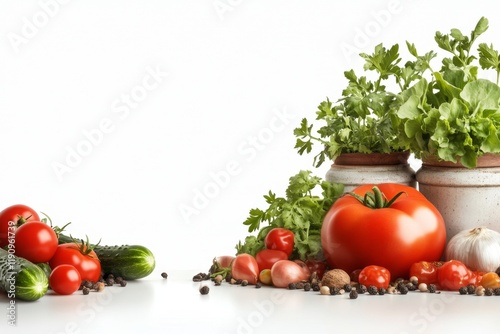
<point>20,278</point>
<point>127,261</point>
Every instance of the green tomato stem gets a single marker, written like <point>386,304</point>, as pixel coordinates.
<point>376,199</point>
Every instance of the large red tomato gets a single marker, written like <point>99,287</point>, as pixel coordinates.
<point>12,217</point>
<point>392,234</point>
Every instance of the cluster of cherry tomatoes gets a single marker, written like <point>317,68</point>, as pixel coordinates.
<point>31,238</point>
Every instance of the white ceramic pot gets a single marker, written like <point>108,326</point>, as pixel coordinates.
<point>466,198</point>
<point>355,169</point>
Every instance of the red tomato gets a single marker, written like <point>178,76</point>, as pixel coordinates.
<point>88,265</point>
<point>17,213</point>
<point>377,276</point>
<point>245,267</point>
<point>453,275</point>
<point>280,239</point>
<point>65,279</point>
<point>411,229</point>
<point>267,257</point>
<point>424,271</point>
<point>285,272</point>
<point>36,242</point>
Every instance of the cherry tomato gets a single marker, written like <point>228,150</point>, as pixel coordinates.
<point>424,271</point>
<point>281,239</point>
<point>36,242</point>
<point>285,272</point>
<point>377,276</point>
<point>267,257</point>
<point>407,230</point>
<point>453,275</point>
<point>18,214</point>
<point>245,267</point>
<point>65,279</point>
<point>85,261</point>
<point>316,266</point>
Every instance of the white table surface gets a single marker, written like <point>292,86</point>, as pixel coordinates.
<point>174,305</point>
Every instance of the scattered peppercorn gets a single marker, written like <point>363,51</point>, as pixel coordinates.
<point>353,294</point>
<point>164,275</point>
<point>488,292</point>
<point>334,290</point>
<point>324,290</point>
<point>85,290</point>
<point>471,289</point>
<point>347,287</point>
<point>99,287</point>
<point>372,290</point>
<point>258,285</point>
<point>496,291</point>
<point>463,290</point>
<point>204,290</point>
<point>315,286</point>
<point>432,288</point>
<point>299,285</point>
<point>422,287</point>
<point>291,286</point>
<point>414,280</point>
<point>200,277</point>
<point>307,286</point>
<point>110,281</point>
<point>381,291</point>
<point>403,290</point>
<point>361,289</point>
<point>118,280</point>
<point>411,286</point>
<point>480,291</point>
<point>244,282</point>
<point>123,283</point>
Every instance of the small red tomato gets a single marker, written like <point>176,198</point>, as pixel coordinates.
<point>281,239</point>
<point>36,242</point>
<point>267,257</point>
<point>424,271</point>
<point>65,279</point>
<point>285,272</point>
<point>377,276</point>
<point>245,267</point>
<point>453,275</point>
<point>86,262</point>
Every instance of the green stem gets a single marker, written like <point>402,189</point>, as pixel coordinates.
<point>376,199</point>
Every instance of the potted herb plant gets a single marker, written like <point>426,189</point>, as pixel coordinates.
<point>451,120</point>
<point>359,132</point>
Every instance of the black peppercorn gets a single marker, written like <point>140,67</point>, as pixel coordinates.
<point>372,290</point>
<point>204,290</point>
<point>463,290</point>
<point>353,294</point>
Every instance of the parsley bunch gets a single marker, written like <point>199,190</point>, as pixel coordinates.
<point>364,119</point>
<point>300,211</point>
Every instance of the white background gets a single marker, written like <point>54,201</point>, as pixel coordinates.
<point>233,79</point>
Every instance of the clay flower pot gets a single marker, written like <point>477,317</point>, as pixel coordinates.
<point>466,197</point>
<point>355,169</point>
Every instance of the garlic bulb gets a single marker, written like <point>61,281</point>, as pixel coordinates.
<point>477,248</point>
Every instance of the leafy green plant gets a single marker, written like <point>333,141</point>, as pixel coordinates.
<point>364,120</point>
<point>453,115</point>
<point>300,211</point>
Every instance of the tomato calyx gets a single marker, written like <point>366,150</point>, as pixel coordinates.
<point>376,199</point>
<point>85,247</point>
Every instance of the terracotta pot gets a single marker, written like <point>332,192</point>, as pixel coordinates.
<point>355,169</point>
<point>466,197</point>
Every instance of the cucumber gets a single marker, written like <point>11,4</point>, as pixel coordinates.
<point>127,261</point>
<point>20,278</point>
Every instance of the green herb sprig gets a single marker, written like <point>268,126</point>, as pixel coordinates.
<point>300,211</point>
